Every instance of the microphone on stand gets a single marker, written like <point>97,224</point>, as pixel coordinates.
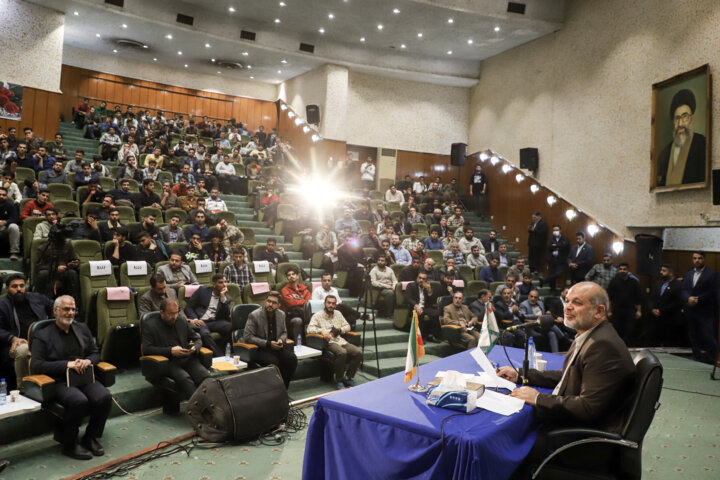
<point>545,321</point>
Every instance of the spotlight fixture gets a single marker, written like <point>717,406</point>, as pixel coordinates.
<point>283,107</point>
<point>403,46</point>
<point>420,34</point>
<point>124,25</point>
<point>231,9</point>
<point>169,36</point>
<point>483,156</point>
<point>245,54</point>
<point>283,4</point>
<point>593,230</point>
<point>321,30</point>
<point>470,41</point>
<point>306,129</point>
<point>617,247</point>
<point>506,168</point>
<point>551,200</point>
<point>534,188</point>
<point>76,13</point>
<point>494,159</point>
<point>396,11</point>
<point>277,20</point>
<point>449,52</point>
<point>519,177</point>
<point>362,39</point>
<point>97,35</point>
<point>207,45</point>
<point>331,16</point>
<point>283,61</point>
<point>380,27</point>
<point>155,59</point>
<point>497,29</point>
<point>451,20</point>
<point>315,138</point>
<point>570,214</point>
<point>291,114</point>
<point>299,121</point>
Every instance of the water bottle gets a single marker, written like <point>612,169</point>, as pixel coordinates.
<point>298,343</point>
<point>228,352</point>
<point>531,353</point>
<point>3,391</point>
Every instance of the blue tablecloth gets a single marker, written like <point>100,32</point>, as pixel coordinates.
<point>381,430</point>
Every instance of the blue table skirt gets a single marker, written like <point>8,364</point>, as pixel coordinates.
<point>381,430</point>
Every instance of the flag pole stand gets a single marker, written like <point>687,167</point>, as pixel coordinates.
<point>418,387</point>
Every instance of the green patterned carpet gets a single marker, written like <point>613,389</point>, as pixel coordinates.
<point>683,441</point>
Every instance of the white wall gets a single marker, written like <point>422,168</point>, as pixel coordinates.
<point>31,45</point>
<point>583,97</point>
<point>181,78</point>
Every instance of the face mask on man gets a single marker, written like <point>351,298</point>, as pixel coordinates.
<point>556,233</point>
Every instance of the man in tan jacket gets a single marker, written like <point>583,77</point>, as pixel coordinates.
<point>458,314</point>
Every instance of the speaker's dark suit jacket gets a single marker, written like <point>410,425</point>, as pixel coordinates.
<point>197,304</point>
<point>48,354</point>
<point>596,387</point>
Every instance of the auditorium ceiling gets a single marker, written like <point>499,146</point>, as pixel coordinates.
<point>437,41</point>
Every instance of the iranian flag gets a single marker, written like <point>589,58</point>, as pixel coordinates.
<point>416,349</point>
<point>490,331</point>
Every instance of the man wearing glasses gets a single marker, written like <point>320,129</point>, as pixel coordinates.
<point>266,329</point>
<point>682,161</point>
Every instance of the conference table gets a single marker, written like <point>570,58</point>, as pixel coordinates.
<point>381,430</point>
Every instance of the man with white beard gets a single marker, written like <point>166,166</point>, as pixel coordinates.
<point>682,161</point>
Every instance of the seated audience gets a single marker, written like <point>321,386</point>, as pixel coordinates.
<point>238,272</point>
<point>476,259</point>
<point>294,297</point>
<point>459,314</point>
<point>176,273</point>
<point>209,309</point>
<point>172,232</point>
<point>422,298</point>
<point>150,300</point>
<point>36,207</point>
<point>9,223</point>
<point>383,281</point>
<point>491,273</point>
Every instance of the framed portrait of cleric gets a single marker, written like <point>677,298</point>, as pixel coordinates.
<point>681,121</point>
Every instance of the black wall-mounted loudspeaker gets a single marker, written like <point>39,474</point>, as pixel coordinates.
<point>649,254</point>
<point>716,187</point>
<point>457,154</point>
<point>529,159</point>
<point>312,113</point>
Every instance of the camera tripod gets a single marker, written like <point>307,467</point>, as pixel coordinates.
<point>364,300</point>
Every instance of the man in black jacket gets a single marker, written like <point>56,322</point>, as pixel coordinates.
<point>18,310</point>
<point>9,223</point>
<point>89,229</point>
<point>209,309</point>
<point>558,249</point>
<point>625,303</point>
<point>421,297</point>
<point>668,327</point>
<point>179,343</point>
<point>69,345</point>
<point>537,241</point>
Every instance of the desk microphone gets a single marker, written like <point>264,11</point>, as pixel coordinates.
<point>545,321</point>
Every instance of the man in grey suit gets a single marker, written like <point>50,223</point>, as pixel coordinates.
<point>266,328</point>
<point>531,310</point>
<point>177,273</point>
<point>591,389</point>
<point>173,232</point>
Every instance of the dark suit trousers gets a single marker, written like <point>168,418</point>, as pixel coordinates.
<point>224,328</point>
<point>284,359</point>
<point>93,399</point>
<point>702,337</point>
<point>556,270</point>
<point>188,373</point>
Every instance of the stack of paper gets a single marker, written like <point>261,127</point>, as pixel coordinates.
<point>499,403</point>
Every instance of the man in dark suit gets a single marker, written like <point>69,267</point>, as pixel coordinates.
<point>490,244</point>
<point>625,303</point>
<point>598,372</point>
<point>266,328</point>
<point>668,328</point>
<point>682,160</point>
<point>537,241</point>
<point>558,249</point>
<point>18,310</point>
<point>700,294</point>
<point>421,297</point>
<point>70,345</point>
<point>179,343</point>
<point>580,258</point>
<point>209,309</point>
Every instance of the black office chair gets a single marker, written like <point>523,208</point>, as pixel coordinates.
<point>155,370</point>
<point>316,341</point>
<point>581,453</point>
<point>41,388</point>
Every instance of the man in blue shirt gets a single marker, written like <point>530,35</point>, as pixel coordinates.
<point>402,255</point>
<point>491,273</point>
<point>433,242</point>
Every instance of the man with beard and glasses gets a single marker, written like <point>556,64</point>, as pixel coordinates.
<point>331,324</point>
<point>266,328</point>
<point>591,389</point>
<point>682,161</point>
<point>18,310</point>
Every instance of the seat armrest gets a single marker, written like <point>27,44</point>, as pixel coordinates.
<point>40,388</point>
<point>316,341</point>
<point>105,372</point>
<point>353,337</point>
<point>562,436</point>
<point>154,366</point>
<point>205,351</point>
<point>246,351</point>
<point>206,357</point>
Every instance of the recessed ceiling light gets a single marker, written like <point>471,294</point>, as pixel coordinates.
<point>450,20</point>
<point>282,4</point>
<point>249,67</point>
<point>145,46</point>
<point>497,29</point>
<point>245,54</point>
<point>97,35</point>
<point>380,27</point>
<point>154,59</point>
<point>403,46</point>
<point>124,25</point>
<point>76,13</point>
<point>168,36</point>
<point>114,50</point>
<point>277,20</point>
<point>279,72</point>
<point>231,9</point>
<point>212,60</point>
<point>207,45</point>
<point>186,65</point>
<point>449,52</point>
<point>219,72</point>
<point>419,34</point>
<point>362,39</point>
<point>331,16</point>
<point>470,41</point>
<point>252,78</point>
<point>396,11</point>
<point>321,30</point>
<point>283,61</point>
<point>179,52</point>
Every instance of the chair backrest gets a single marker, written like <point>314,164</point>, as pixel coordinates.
<point>282,268</point>
<point>473,287</point>
<point>21,173</point>
<point>646,393</point>
<point>150,211</point>
<point>239,318</point>
<point>397,268</point>
<point>203,278</point>
<point>67,207</point>
<point>175,247</point>
<point>235,293</point>
<point>249,240</point>
<point>364,225</point>
<point>107,183</point>
<point>60,191</point>
<point>175,211</point>
<point>466,272</point>
<point>113,313</point>
<point>28,229</point>
<point>127,214</point>
<point>443,302</point>
<point>86,206</point>
<point>250,297</point>
<point>422,230</point>
<point>436,255</point>
<point>228,216</point>
<point>87,250</point>
<point>135,281</point>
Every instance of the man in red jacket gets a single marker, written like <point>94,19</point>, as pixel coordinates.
<point>37,207</point>
<point>294,297</point>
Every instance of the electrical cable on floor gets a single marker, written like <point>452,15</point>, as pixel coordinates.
<point>150,412</point>
<point>690,391</point>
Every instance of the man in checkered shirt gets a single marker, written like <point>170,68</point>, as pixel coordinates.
<point>238,272</point>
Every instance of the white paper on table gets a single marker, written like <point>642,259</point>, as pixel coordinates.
<point>499,403</point>
<point>482,361</point>
<point>491,380</point>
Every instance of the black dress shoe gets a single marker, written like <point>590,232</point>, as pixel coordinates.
<point>4,464</point>
<point>433,338</point>
<point>76,451</point>
<point>94,446</point>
